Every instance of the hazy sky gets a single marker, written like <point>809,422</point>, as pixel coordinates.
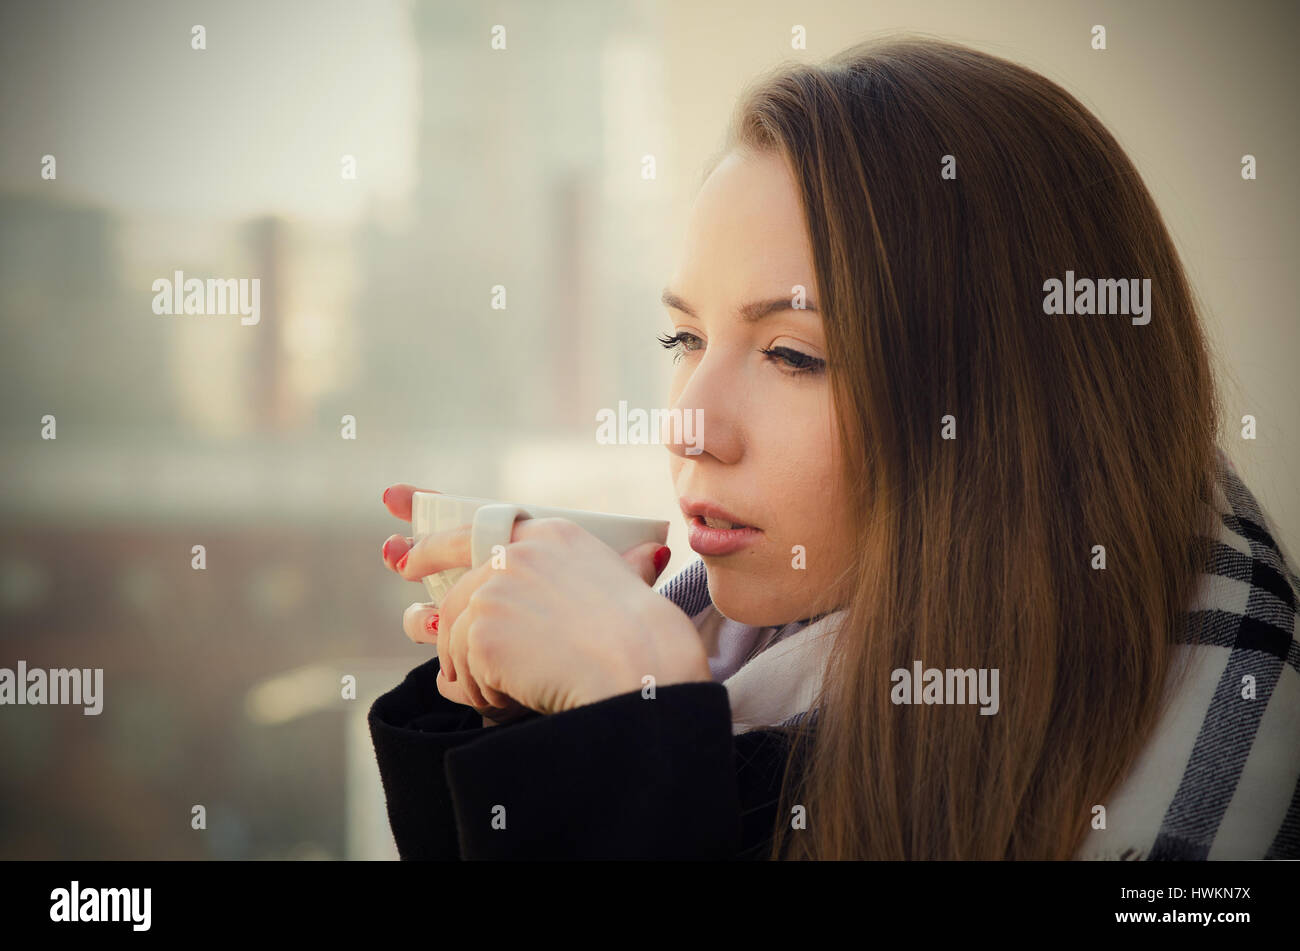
<point>256,122</point>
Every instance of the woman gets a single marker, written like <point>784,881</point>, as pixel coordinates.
<point>942,469</point>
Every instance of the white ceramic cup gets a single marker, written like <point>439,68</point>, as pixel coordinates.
<point>493,523</point>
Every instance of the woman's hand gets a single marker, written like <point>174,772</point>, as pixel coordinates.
<point>564,622</point>
<point>420,620</point>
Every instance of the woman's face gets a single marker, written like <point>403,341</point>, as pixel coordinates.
<point>768,450</point>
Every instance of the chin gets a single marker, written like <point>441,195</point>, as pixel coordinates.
<point>747,598</point>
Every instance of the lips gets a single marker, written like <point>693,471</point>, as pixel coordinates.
<point>705,540</point>
<point>722,523</point>
<point>715,530</point>
<point>712,514</point>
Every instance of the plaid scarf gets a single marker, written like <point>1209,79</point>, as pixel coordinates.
<point>1218,777</point>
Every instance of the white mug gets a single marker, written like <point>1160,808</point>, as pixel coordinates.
<point>493,523</point>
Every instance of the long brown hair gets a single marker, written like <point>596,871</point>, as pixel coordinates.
<point>1071,432</point>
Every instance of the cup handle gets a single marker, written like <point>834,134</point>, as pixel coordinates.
<point>493,525</point>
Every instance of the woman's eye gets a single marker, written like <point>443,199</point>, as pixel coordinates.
<point>796,361</point>
<point>680,342</point>
<point>793,362</point>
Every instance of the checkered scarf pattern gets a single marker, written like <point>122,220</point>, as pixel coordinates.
<point>1220,776</point>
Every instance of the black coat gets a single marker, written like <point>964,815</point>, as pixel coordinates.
<point>625,778</point>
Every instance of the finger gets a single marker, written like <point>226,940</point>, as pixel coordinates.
<point>443,640</point>
<point>397,499</point>
<point>395,546</point>
<point>459,650</point>
<point>458,595</point>
<point>453,605</point>
<point>498,700</point>
<point>452,691</point>
<point>436,552</point>
<point>648,560</point>
<point>420,622</point>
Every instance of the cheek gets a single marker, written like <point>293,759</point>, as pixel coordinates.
<point>799,442</point>
<point>805,476</point>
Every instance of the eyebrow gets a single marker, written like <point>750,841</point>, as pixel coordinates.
<point>749,313</point>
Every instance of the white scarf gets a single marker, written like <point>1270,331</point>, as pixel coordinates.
<point>772,674</point>
<point>781,673</point>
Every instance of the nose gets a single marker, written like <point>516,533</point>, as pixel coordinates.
<point>707,416</point>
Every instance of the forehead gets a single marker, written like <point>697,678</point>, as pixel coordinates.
<point>746,233</point>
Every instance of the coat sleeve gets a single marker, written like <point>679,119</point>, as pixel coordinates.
<point>412,727</point>
<point>625,778</point>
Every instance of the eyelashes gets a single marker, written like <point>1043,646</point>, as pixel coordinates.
<point>676,342</point>
<point>798,361</point>
<point>792,362</point>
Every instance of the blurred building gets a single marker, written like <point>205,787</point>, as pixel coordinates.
<point>529,178</point>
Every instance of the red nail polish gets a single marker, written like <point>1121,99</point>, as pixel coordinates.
<point>661,558</point>
<point>401,562</point>
<point>431,625</point>
<point>383,552</point>
<point>385,498</point>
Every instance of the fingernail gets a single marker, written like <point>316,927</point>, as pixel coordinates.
<point>431,625</point>
<point>661,558</point>
<point>401,562</point>
<point>383,552</point>
<point>385,498</point>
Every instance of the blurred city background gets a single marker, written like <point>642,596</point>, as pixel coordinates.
<point>474,168</point>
